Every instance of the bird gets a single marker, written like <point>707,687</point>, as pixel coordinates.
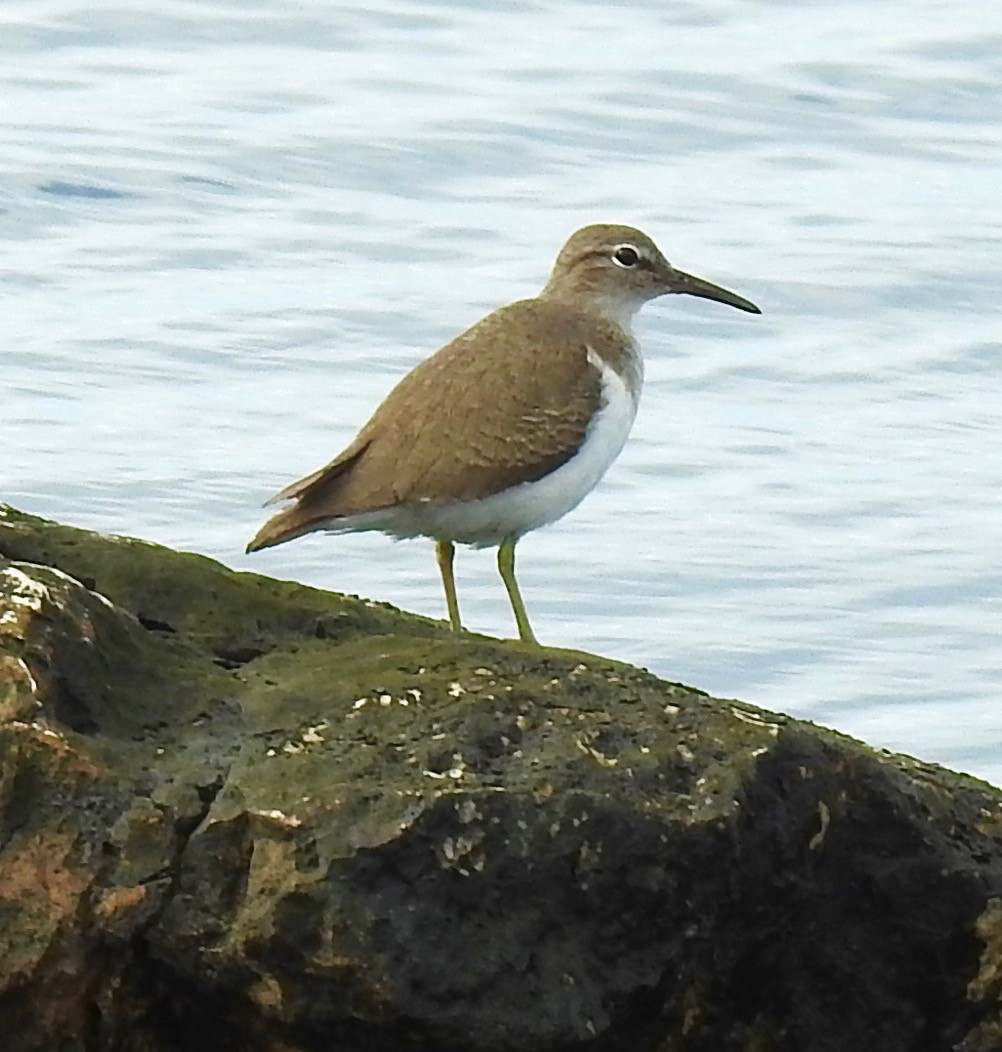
<point>510,425</point>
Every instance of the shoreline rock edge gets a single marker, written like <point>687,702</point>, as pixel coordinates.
<point>238,813</point>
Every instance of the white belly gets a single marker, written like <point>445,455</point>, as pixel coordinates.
<point>520,509</point>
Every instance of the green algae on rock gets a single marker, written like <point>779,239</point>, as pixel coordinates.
<point>238,813</point>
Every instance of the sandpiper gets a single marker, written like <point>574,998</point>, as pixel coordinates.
<point>506,428</point>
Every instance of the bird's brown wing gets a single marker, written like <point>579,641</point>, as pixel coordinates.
<point>507,402</point>
<point>327,473</point>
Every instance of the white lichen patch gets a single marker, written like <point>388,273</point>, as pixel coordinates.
<point>21,695</point>
<point>460,849</point>
<point>464,853</point>
<point>467,811</point>
<point>25,591</point>
<point>385,700</point>
<point>70,580</point>
<point>599,757</point>
<point>46,731</point>
<point>103,599</point>
<point>756,719</point>
<point>279,817</point>
<point>120,538</point>
<point>312,735</point>
<point>63,576</point>
<point>455,772</point>
<point>30,679</point>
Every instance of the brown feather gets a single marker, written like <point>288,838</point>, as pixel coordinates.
<point>287,525</point>
<point>336,467</point>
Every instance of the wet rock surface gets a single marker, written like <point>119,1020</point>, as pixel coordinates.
<point>237,813</point>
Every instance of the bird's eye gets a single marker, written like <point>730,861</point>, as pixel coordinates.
<point>626,256</point>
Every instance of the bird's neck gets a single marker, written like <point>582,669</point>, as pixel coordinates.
<point>613,306</point>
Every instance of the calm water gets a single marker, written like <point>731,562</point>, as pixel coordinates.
<point>229,228</point>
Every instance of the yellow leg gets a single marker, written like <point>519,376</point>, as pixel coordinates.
<point>506,567</point>
<point>445,552</point>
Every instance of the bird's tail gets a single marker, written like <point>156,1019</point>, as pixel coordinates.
<point>310,494</point>
<point>287,525</point>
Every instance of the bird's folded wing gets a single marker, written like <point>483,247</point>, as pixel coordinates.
<point>479,416</point>
<point>507,402</point>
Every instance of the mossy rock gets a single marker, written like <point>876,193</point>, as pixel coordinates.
<point>238,813</point>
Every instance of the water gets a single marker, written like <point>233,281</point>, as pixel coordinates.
<point>229,228</point>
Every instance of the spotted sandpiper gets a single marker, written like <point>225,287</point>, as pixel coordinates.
<point>506,428</point>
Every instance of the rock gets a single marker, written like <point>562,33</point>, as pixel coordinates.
<point>242,814</point>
